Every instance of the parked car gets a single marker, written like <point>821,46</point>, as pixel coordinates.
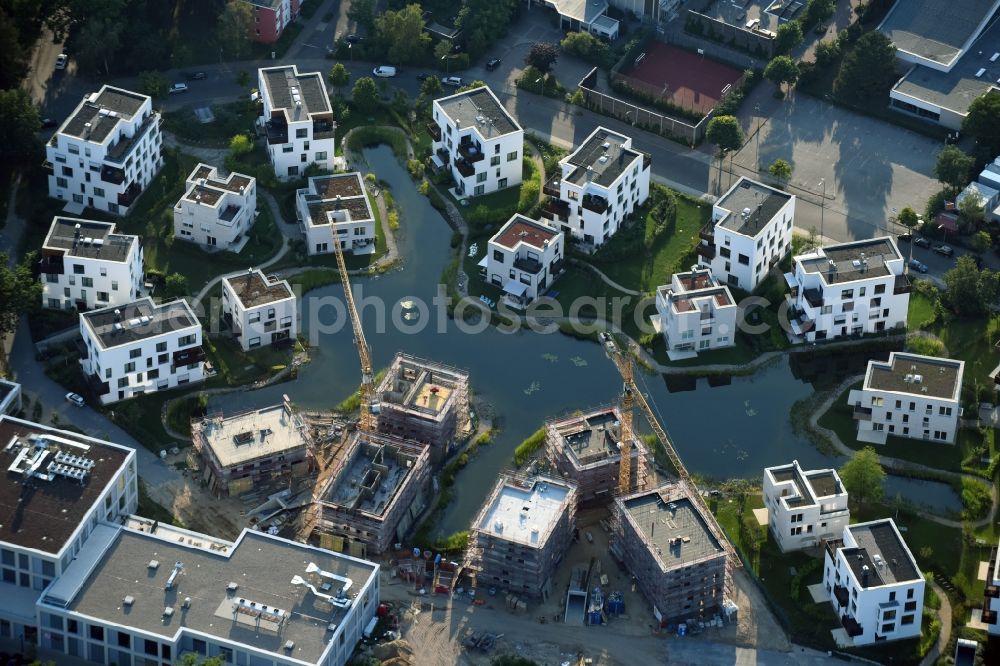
<point>918,266</point>
<point>944,250</point>
<point>76,399</point>
<point>178,88</point>
<point>195,76</point>
<point>920,241</point>
<point>423,77</point>
<point>492,64</point>
<point>61,61</point>
<point>905,238</point>
<point>49,123</point>
<point>353,39</point>
<point>453,81</point>
<point>384,71</point>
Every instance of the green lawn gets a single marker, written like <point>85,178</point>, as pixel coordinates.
<point>357,119</point>
<point>152,218</point>
<point>921,311</point>
<point>230,119</point>
<point>238,367</point>
<point>141,418</point>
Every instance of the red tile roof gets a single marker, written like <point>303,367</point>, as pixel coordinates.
<point>524,230</point>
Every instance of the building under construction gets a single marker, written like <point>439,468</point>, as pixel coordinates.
<point>376,490</point>
<point>521,534</point>
<point>424,401</point>
<point>248,448</point>
<point>586,448</point>
<point>673,552</point>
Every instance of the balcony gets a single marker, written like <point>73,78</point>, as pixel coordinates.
<point>434,130</point>
<point>277,133</point>
<point>188,356</point>
<point>48,168</point>
<point>554,209</point>
<point>706,250</point>
<point>862,413</point>
<point>902,285</point>
<point>51,263</point>
<point>707,232</point>
<point>472,152</point>
<point>464,168</point>
<point>647,160</point>
<point>551,186</point>
<point>118,151</point>
<point>112,175</point>
<point>532,266</point>
<point>128,197</point>
<point>595,204</point>
<point>988,616</point>
<point>814,297</point>
<point>97,386</point>
<point>323,128</point>
<point>841,594</point>
<point>443,155</point>
<point>851,626</point>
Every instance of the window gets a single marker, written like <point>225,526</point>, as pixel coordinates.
<point>287,148</point>
<point>321,156</point>
<point>123,639</point>
<point>888,615</point>
<point>743,259</point>
<point>186,340</point>
<point>96,633</point>
<point>495,161</point>
<point>78,269</point>
<point>130,366</point>
<point>907,620</point>
<point>512,156</point>
<point>123,382</point>
<point>114,285</point>
<point>253,318</point>
<point>847,307</point>
<point>99,192</point>
<point>301,133</point>
<point>102,296</point>
<point>846,294</point>
<point>135,353</point>
<point>725,252</point>
<point>161,347</point>
<point>61,182</point>
<point>254,342</point>
<point>481,177</point>
<point>162,359</point>
<point>888,628</point>
<point>944,411</point>
<point>910,606</point>
<point>879,289</point>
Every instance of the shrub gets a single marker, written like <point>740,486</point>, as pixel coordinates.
<point>528,447</point>
<point>975,498</point>
<point>589,49</point>
<point>416,169</point>
<point>928,346</point>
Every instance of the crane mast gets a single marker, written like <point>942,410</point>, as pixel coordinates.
<point>369,406</point>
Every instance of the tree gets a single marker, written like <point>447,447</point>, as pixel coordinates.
<point>782,69</point>
<point>400,102</point>
<point>431,86</point>
<point>240,145</point>
<point>982,241</point>
<point>472,85</point>
<point>970,209</point>
<point>365,95</point>
<point>153,84</point>
<point>175,286</point>
<point>826,53</point>
<point>983,122</point>
<point>789,36</point>
<point>587,47</point>
<point>908,218</point>
<point>339,77</point>
<point>780,170</point>
<point>970,291</point>
<point>953,166</point>
<point>818,11</point>
<point>542,56</point>
<point>235,23</point>
<point>19,123</point>
<point>191,659</point>
<point>868,69</point>
<point>12,65</point>
<point>727,135</point>
<point>402,34</point>
<point>20,293</point>
<point>363,11</point>
<point>483,21</point>
<point>98,41</point>
<point>863,476</point>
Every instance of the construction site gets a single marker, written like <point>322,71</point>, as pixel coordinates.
<point>586,449</point>
<point>424,401</point>
<point>374,492</point>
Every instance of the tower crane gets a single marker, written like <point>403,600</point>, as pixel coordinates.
<point>632,396</point>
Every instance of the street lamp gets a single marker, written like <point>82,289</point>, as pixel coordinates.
<point>350,53</point>
<point>447,62</point>
<point>756,155</point>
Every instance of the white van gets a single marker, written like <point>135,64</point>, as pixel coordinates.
<point>384,71</point>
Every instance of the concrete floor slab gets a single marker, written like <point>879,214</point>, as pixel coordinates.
<point>975,621</point>
<point>984,570</point>
<point>818,593</point>
<point>841,638</point>
<point>762,516</point>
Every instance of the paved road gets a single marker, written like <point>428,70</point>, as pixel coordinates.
<point>688,652</point>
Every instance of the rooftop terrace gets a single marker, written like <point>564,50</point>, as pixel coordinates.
<point>520,229</point>
<point>254,289</point>
<point>480,109</point>
<point>422,386</point>
<point>857,260</point>
<point>251,435</point>
<point>671,527</point>
<point>300,94</point>
<point>809,486</point>
<point>916,375</point>
<point>88,239</point>
<point>602,158</point>
<point>883,551</point>
<point>43,508</point>
<point>99,113</point>
<point>525,512</point>
<point>750,206</point>
<point>138,320</point>
<point>337,198</point>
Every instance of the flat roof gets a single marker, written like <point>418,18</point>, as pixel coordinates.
<point>262,567</point>
<point>855,260</point>
<point>592,436</point>
<point>525,513</point>
<point>326,196</point>
<point>883,551</point>
<point>602,158</point>
<point>479,109</point>
<point>206,187</point>
<point>520,229</point>
<point>253,288</point>
<point>287,89</point>
<point>373,472</point>
<point>103,111</point>
<point>138,320</point>
<point>934,30</point>
<point>955,90</point>
<point>918,375</point>
<point>751,206</point>
<point>88,239</point>
<point>422,386</point>
<point>253,434</point>
<point>7,387</point>
<point>43,514</point>
<point>665,515</point>
<point>809,485</point>
<point>585,11</point>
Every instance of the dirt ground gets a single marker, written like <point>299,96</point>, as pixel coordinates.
<point>435,626</point>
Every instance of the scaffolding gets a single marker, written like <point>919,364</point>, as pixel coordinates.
<point>520,554</point>
<point>424,401</point>
<point>585,447</point>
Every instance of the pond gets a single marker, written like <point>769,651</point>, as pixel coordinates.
<point>936,497</point>
<point>721,428</point>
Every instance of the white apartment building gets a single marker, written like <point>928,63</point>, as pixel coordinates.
<point>297,120</point>
<point>804,508</point>
<point>874,583</point>
<point>106,152</point>
<point>260,309</point>
<point>750,231</point>
<point>598,185</point>
<point>477,141</point>
<point>141,347</point>
<point>336,209</point>
<point>848,289</point>
<point>10,396</point>
<point>84,264</point>
<point>991,595</point>
<point>216,212</point>
<point>77,485</point>
<point>909,395</point>
<point>696,313</point>
<point>523,258</point>
<point>149,593</point>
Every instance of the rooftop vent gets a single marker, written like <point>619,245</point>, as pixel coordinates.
<point>289,645</point>
<point>993,58</point>
<point>128,601</point>
<point>168,611</point>
<point>232,587</point>
<point>605,145</point>
<point>153,564</point>
<point>982,70</point>
<point>187,602</point>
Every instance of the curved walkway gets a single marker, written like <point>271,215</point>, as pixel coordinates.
<point>903,465</point>
<point>944,615</point>
<point>608,281</point>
